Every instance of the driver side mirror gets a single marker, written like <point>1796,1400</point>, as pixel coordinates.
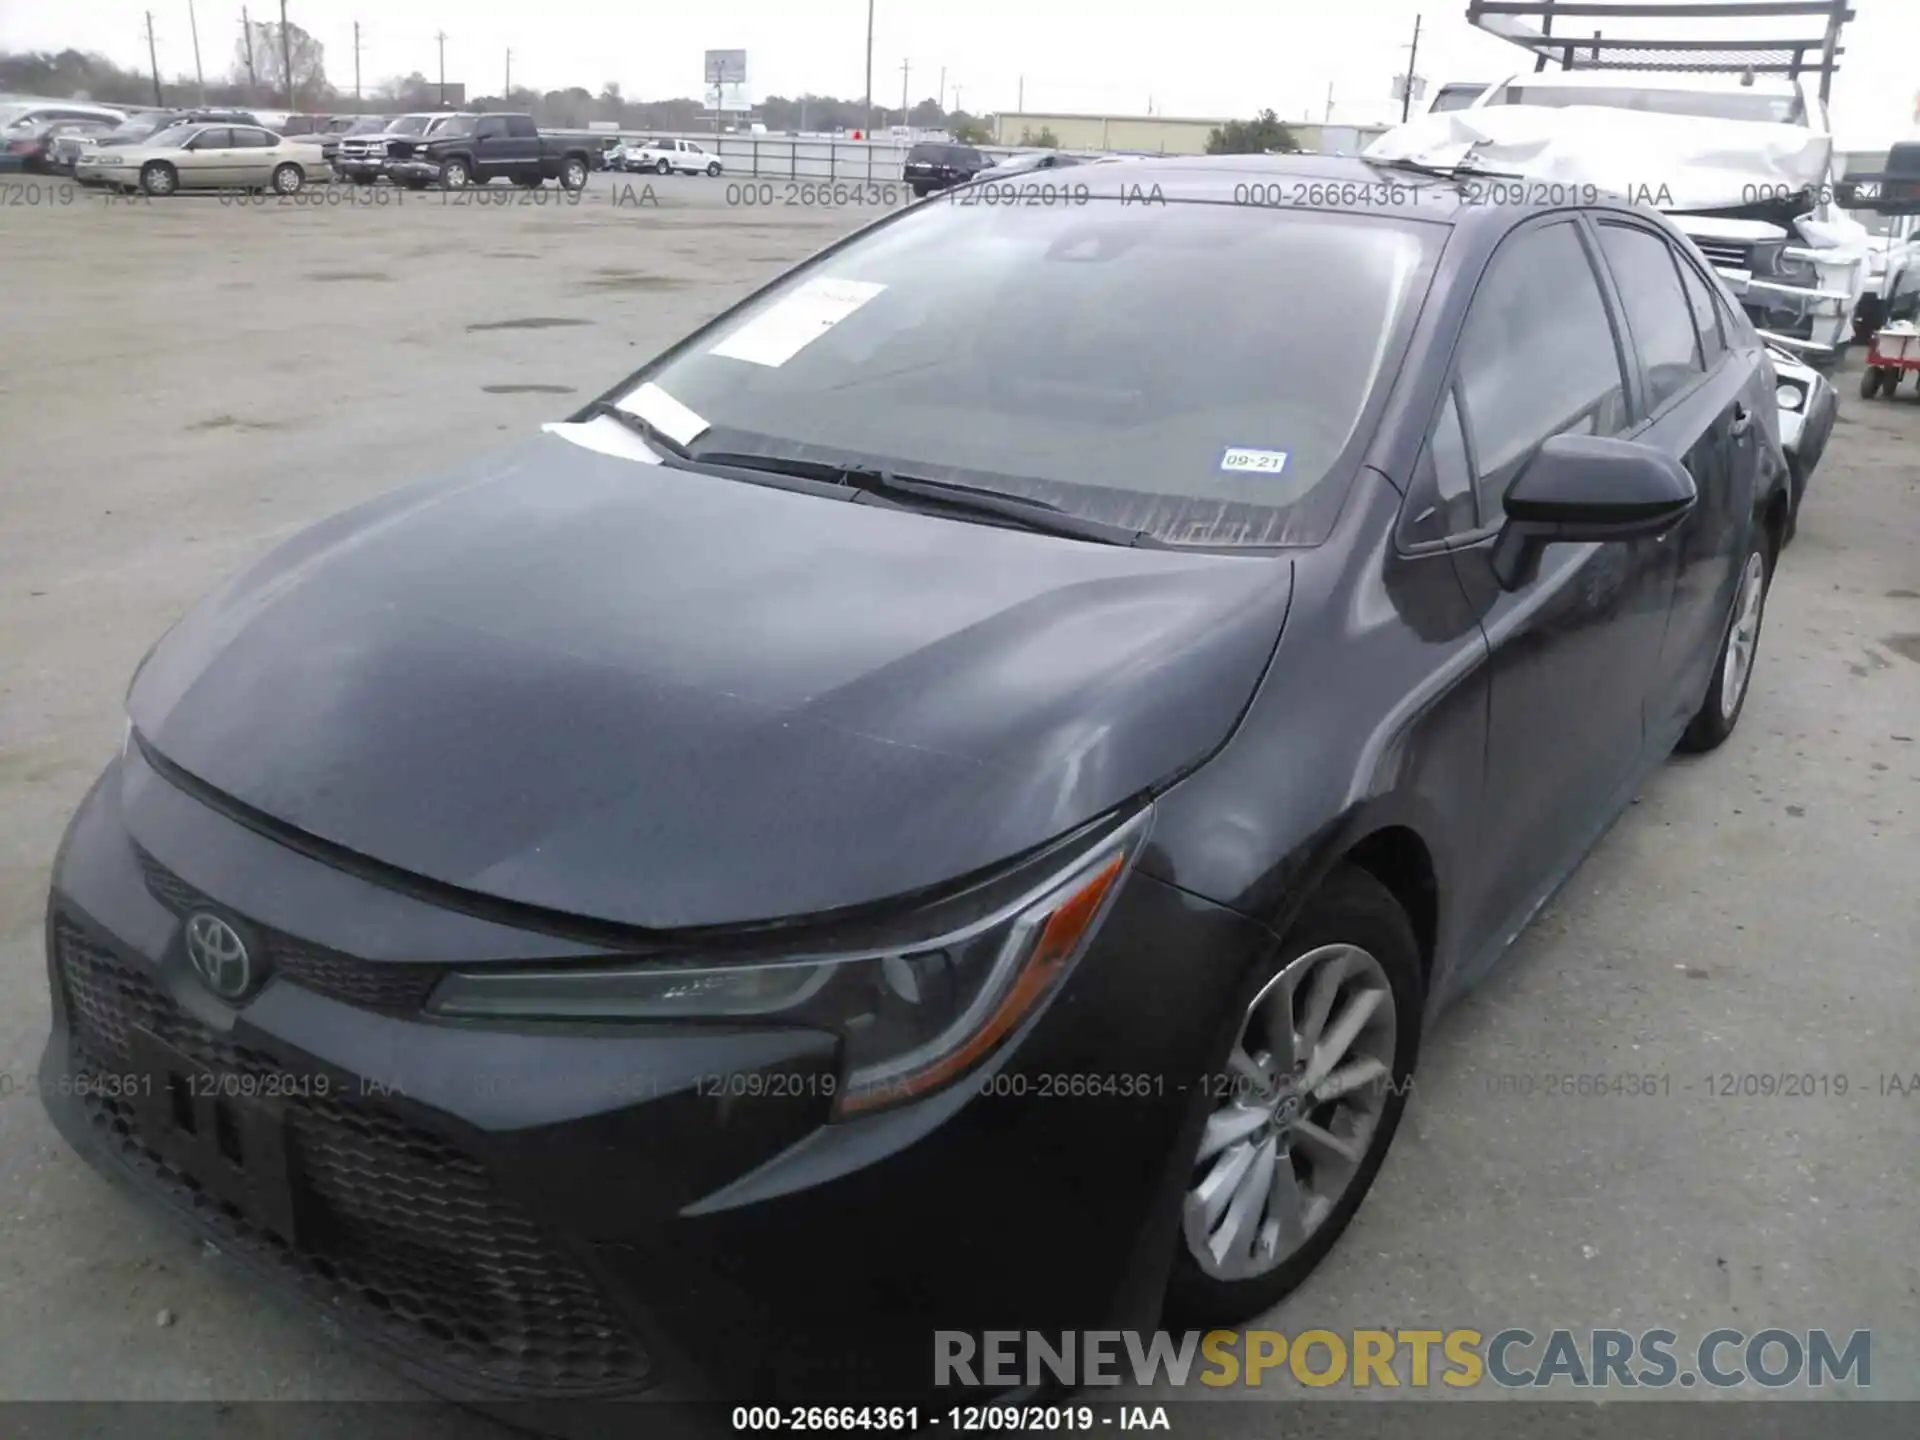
<point>1586,489</point>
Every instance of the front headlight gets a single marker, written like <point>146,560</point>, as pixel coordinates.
<point>911,1019</point>
<point>1788,397</point>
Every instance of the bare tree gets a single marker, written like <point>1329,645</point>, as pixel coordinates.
<point>270,61</point>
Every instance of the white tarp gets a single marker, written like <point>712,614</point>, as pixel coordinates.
<point>1669,162</point>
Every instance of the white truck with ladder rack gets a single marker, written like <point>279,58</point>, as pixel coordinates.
<point>1728,134</point>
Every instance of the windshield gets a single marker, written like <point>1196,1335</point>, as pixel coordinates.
<point>1194,371</point>
<point>410,125</point>
<point>1458,97</point>
<point>372,125</point>
<point>1713,104</point>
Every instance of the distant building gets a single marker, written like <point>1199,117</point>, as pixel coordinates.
<point>1161,134</point>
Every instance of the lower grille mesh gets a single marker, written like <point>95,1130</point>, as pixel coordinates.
<point>411,1233</point>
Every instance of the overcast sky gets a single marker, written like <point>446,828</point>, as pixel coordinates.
<point>1211,58</point>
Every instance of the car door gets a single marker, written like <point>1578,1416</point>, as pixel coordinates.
<point>1572,652</point>
<point>522,147</point>
<point>254,154</point>
<point>207,160</point>
<point>1700,408</point>
<point>490,157</point>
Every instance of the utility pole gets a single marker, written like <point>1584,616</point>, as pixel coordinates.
<point>869,130</point>
<point>1413,68</point>
<point>441,39</point>
<point>906,69</point>
<point>286,51</point>
<point>1328,120</point>
<point>356,64</point>
<point>943,89</point>
<point>956,99</point>
<point>199,75</point>
<point>246,34</point>
<point>1021,104</point>
<point>508,92</point>
<point>153,59</point>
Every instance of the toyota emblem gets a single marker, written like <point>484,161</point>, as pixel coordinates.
<point>219,956</point>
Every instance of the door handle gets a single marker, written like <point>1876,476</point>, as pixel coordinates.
<point>1742,418</point>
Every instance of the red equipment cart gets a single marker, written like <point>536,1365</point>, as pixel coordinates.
<point>1893,355</point>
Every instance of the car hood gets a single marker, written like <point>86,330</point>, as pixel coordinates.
<point>611,688</point>
<point>1668,162</point>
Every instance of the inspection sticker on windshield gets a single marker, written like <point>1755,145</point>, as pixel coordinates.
<point>778,334</point>
<point>664,413</point>
<point>1239,460</point>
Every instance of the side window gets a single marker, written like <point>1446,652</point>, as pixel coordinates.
<point>1706,319</point>
<point>252,140</point>
<point>1440,499</point>
<point>521,127</point>
<point>1537,357</point>
<point>488,127</point>
<point>1657,310</point>
<point>214,137</point>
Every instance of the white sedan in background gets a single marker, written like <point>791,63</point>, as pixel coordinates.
<point>205,157</point>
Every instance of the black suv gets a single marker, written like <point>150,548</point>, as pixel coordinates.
<point>938,165</point>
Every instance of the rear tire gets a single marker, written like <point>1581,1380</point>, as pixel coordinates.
<point>713,169</point>
<point>573,174</point>
<point>1354,912</point>
<point>1739,653</point>
<point>287,179</point>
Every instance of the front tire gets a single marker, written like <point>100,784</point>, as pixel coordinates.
<point>1311,1088</point>
<point>157,178</point>
<point>1739,652</point>
<point>454,175</point>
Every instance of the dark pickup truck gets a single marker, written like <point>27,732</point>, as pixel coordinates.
<point>473,149</point>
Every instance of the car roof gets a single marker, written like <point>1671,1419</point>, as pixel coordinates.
<point>1713,82</point>
<point>1346,183</point>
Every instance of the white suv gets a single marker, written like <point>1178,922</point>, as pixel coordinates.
<point>668,157</point>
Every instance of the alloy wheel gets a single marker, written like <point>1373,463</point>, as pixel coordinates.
<point>1301,1098</point>
<point>1744,639</point>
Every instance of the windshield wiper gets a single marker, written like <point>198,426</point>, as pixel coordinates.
<point>881,482</point>
<point>1465,170</point>
<point>645,429</point>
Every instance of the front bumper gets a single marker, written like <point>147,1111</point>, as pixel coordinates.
<point>414,169</point>
<point>512,1213</point>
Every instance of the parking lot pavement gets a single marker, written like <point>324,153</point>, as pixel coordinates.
<point>182,384</point>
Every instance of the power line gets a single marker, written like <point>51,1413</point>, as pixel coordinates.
<point>153,59</point>
<point>868,70</point>
<point>286,52</point>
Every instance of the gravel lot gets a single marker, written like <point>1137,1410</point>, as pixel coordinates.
<point>182,384</point>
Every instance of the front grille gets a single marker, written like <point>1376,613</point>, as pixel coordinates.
<point>396,987</point>
<point>409,1235</point>
<point>1727,254</point>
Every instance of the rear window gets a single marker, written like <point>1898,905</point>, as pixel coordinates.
<point>1196,371</point>
<point>933,154</point>
<point>1716,105</point>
